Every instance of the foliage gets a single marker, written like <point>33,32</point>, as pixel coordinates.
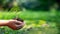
<point>34,22</point>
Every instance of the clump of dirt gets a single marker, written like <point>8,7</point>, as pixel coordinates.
<point>18,19</point>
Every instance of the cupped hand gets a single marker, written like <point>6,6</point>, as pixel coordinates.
<point>15,25</point>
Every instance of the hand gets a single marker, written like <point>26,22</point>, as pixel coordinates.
<point>15,25</point>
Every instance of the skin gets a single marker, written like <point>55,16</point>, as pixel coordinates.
<point>13,24</point>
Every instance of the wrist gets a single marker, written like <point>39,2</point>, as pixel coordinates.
<point>10,21</point>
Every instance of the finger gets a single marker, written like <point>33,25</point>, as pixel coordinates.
<point>19,27</point>
<point>18,23</point>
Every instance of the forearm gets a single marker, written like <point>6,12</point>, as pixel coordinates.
<point>5,22</point>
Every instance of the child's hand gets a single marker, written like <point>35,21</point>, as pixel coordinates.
<point>15,25</point>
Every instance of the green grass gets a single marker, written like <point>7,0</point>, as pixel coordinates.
<point>31,17</point>
<point>27,15</point>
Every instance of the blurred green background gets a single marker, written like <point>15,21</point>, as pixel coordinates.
<point>40,16</point>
